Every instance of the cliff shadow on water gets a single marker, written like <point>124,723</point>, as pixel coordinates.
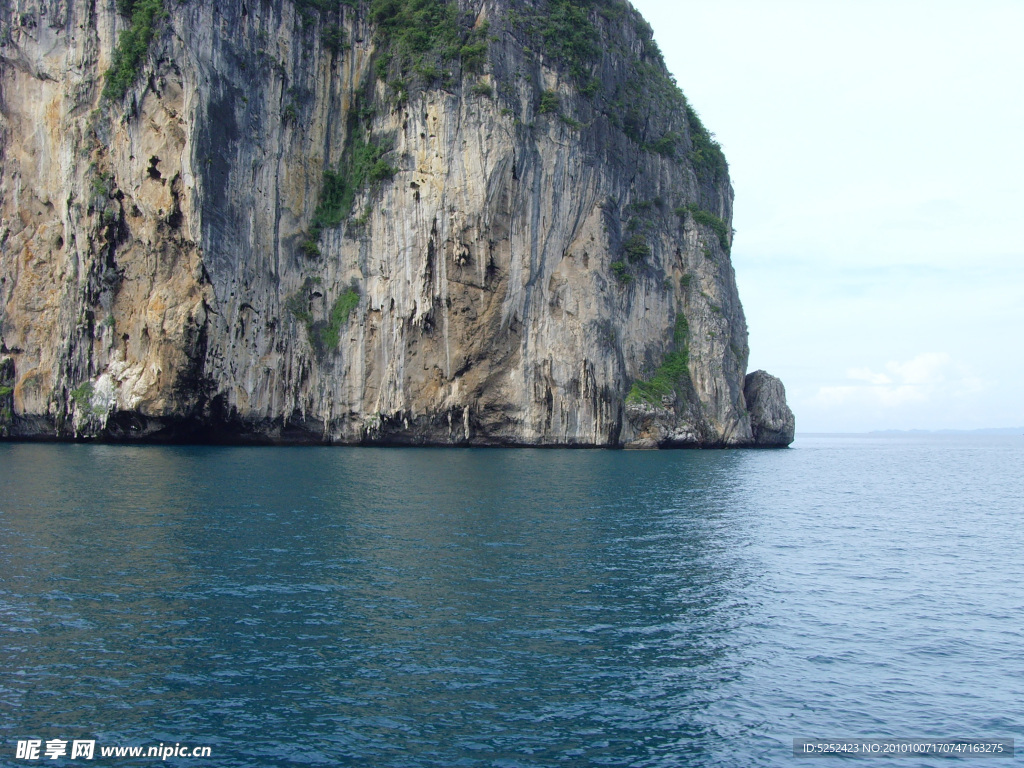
<point>481,222</point>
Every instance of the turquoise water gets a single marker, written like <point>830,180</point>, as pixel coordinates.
<point>402,607</point>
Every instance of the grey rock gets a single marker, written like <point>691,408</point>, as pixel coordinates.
<point>771,419</point>
<point>154,284</point>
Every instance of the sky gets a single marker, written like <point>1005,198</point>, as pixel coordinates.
<point>875,150</point>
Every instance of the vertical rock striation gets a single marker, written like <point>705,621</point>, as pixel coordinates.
<point>489,222</point>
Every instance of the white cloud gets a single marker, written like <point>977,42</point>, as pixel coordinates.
<point>929,377</point>
<point>866,374</point>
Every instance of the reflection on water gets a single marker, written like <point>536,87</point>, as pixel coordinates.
<point>515,608</point>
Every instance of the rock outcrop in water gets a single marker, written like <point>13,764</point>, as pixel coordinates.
<point>771,420</point>
<point>483,222</point>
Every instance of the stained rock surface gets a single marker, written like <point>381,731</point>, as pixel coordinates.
<point>491,223</point>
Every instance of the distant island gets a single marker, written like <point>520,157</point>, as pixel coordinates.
<point>995,431</point>
<point>1007,431</point>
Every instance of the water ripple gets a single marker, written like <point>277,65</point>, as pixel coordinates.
<point>511,608</point>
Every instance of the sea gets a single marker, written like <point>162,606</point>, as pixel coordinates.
<point>263,607</point>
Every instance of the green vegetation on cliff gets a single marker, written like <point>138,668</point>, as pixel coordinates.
<point>705,153</point>
<point>637,249</point>
<point>344,306</point>
<point>575,34</point>
<point>621,271</point>
<point>673,373</point>
<point>549,102</point>
<point>324,336</point>
<point>362,164</point>
<point>328,12</point>
<point>133,45</point>
<point>6,395</point>
<point>420,37</point>
<point>719,227</point>
<point>415,39</point>
<point>82,395</point>
<point>566,33</point>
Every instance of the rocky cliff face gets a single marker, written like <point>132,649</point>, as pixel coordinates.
<point>490,222</point>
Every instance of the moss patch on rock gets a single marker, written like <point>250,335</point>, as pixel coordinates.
<point>671,376</point>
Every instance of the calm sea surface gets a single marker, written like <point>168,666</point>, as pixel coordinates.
<point>389,607</point>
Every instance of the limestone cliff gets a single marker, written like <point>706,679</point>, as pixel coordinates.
<point>395,221</point>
